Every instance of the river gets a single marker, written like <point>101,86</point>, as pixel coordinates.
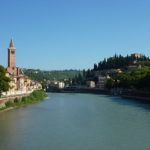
<point>77,122</point>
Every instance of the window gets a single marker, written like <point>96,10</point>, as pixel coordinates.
<point>12,52</point>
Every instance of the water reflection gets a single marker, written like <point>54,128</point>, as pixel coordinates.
<point>77,122</point>
<point>132,102</point>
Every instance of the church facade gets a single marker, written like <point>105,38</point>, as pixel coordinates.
<point>19,84</point>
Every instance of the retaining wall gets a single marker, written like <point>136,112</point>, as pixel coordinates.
<point>3,101</point>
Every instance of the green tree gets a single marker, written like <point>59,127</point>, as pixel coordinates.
<point>44,85</point>
<point>4,81</point>
<point>95,67</point>
<point>109,83</point>
<point>136,79</point>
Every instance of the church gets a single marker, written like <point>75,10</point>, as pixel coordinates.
<point>19,84</point>
<point>12,69</point>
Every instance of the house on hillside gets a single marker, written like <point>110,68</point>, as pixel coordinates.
<point>91,84</point>
<point>136,55</point>
<point>102,81</point>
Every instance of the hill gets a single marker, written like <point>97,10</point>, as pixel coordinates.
<point>132,72</point>
<point>121,62</point>
<point>40,75</point>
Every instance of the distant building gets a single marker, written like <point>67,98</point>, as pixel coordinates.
<point>118,70</point>
<point>137,55</point>
<point>35,85</point>
<point>61,85</point>
<point>133,67</point>
<point>56,84</point>
<point>102,81</point>
<point>91,84</point>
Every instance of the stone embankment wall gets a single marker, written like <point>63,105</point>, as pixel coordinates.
<point>79,90</point>
<point>136,94</point>
<point>3,101</point>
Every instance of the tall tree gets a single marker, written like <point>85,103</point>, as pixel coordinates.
<point>4,81</point>
<point>95,67</point>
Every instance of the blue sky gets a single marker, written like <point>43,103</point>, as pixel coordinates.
<point>73,34</point>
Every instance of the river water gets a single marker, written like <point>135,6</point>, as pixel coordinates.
<point>77,122</point>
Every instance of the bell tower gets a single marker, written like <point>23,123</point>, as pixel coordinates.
<point>11,55</point>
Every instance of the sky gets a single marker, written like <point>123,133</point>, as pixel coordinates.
<point>73,34</point>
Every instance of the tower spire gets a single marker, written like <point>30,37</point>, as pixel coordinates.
<point>11,43</point>
<point>11,55</point>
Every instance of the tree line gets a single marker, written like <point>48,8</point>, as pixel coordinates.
<point>40,75</point>
<point>119,61</point>
<point>136,79</point>
<point>4,81</point>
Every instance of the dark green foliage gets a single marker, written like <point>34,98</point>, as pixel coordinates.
<point>145,82</point>
<point>104,67</point>
<point>34,97</point>
<point>78,79</point>
<point>109,84</point>
<point>144,63</point>
<point>44,85</point>
<point>95,67</point>
<point>4,81</point>
<point>137,79</point>
<point>40,75</point>
<point>118,61</point>
<point>23,99</point>
<point>16,100</point>
<point>9,104</point>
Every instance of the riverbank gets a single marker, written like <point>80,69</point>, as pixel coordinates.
<point>31,99</point>
<point>124,93</point>
<point>80,90</point>
<point>136,95</point>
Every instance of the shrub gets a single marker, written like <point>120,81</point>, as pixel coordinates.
<point>9,104</point>
<point>32,98</point>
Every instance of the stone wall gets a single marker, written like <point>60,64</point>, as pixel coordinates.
<point>3,101</point>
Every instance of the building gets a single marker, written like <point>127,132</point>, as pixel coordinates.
<point>19,84</point>
<point>61,85</point>
<point>56,84</point>
<point>133,67</point>
<point>91,84</point>
<point>136,55</point>
<point>102,81</point>
<point>12,69</point>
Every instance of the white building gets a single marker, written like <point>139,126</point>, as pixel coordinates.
<point>91,84</point>
<point>61,85</point>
